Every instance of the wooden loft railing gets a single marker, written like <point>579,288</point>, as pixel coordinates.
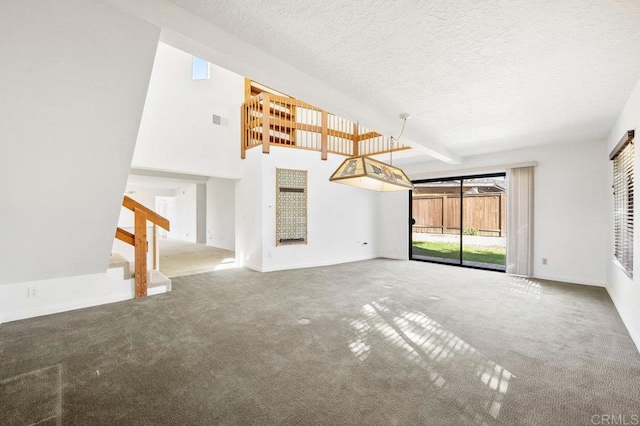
<point>296,124</point>
<point>139,240</point>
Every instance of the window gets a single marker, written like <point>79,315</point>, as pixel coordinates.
<point>623,157</point>
<point>200,70</point>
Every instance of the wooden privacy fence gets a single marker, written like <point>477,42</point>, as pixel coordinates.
<point>440,213</point>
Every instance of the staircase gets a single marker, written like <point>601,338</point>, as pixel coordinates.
<point>147,281</point>
<point>157,282</point>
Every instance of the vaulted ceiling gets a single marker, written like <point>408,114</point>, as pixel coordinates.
<point>476,76</point>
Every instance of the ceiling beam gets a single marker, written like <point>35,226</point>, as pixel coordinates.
<point>136,171</point>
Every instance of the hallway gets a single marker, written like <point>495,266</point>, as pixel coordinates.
<point>180,258</point>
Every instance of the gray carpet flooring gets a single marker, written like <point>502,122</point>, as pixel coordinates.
<point>179,258</point>
<point>378,342</point>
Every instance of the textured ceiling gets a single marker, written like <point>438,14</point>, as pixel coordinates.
<point>477,75</point>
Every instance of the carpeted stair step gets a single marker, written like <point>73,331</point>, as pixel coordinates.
<point>158,283</point>
<point>118,261</point>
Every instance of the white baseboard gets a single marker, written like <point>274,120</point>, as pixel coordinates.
<point>633,332</point>
<point>567,279</point>
<point>316,264</point>
<point>152,291</point>
<point>63,294</point>
<point>64,307</point>
<point>252,267</point>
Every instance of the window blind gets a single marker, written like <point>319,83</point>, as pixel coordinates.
<point>623,195</point>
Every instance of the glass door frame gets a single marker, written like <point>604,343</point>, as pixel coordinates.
<point>442,179</point>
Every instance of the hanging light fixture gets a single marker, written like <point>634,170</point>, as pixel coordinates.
<point>367,173</point>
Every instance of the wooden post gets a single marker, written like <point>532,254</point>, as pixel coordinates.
<point>140,253</point>
<point>444,214</point>
<point>324,137</point>
<point>247,89</point>
<point>266,114</point>
<point>292,116</point>
<point>156,248</point>
<point>243,129</point>
<point>356,142</point>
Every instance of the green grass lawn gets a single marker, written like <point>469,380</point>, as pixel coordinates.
<point>494,255</point>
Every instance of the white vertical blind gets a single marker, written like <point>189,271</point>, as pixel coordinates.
<point>520,221</point>
<point>623,205</point>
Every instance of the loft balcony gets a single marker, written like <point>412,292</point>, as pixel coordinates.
<point>296,124</point>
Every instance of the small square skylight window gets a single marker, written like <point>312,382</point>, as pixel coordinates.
<point>200,70</point>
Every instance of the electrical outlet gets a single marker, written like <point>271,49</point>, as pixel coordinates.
<point>544,260</point>
<point>32,292</point>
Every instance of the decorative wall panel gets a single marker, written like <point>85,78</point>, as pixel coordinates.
<point>291,207</point>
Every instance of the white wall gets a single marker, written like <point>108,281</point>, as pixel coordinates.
<point>249,223</point>
<point>63,294</point>
<point>221,213</point>
<point>625,291</point>
<point>340,218</point>
<point>571,222</point>
<point>73,80</point>
<point>177,133</point>
<point>166,207</point>
<point>186,223</point>
<point>393,225</point>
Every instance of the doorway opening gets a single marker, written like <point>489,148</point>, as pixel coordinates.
<point>460,221</point>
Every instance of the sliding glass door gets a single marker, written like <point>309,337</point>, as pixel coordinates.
<point>436,211</point>
<point>484,222</point>
<point>460,221</point>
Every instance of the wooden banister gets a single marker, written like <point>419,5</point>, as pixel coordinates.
<point>356,140</point>
<point>324,135</point>
<point>152,216</point>
<point>270,118</point>
<point>266,115</point>
<point>141,253</point>
<point>140,242</point>
<point>368,135</point>
<point>125,236</point>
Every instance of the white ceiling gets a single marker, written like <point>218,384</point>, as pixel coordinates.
<point>144,178</point>
<point>476,76</point>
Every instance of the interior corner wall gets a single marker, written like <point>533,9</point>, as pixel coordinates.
<point>73,81</point>
<point>625,291</point>
<point>221,213</point>
<point>177,132</point>
<point>571,223</point>
<point>249,222</point>
<point>341,223</point>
